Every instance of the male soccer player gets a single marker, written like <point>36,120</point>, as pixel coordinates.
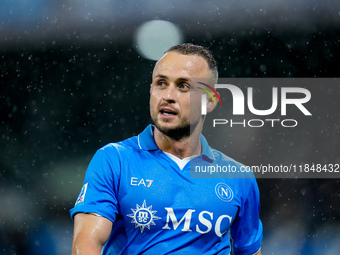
<point>138,197</point>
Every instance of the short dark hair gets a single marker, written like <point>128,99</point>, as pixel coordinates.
<point>192,49</point>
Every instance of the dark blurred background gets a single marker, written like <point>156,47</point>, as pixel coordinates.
<point>75,75</point>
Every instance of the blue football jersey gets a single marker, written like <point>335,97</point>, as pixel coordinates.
<point>157,208</point>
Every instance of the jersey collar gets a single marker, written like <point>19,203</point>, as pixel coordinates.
<point>207,152</point>
<point>145,139</point>
<point>147,142</point>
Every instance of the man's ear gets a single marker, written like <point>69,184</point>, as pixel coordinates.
<point>211,103</point>
<point>150,88</point>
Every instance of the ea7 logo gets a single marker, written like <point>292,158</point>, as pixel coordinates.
<point>238,100</point>
<point>140,182</point>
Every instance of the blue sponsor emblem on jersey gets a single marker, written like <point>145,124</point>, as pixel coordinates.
<point>224,192</point>
<point>81,197</point>
<point>143,216</point>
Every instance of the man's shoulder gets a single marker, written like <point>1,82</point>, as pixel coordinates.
<point>128,144</point>
<point>238,169</point>
<point>132,146</point>
<point>221,157</point>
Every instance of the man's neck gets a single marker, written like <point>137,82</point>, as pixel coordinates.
<point>182,148</point>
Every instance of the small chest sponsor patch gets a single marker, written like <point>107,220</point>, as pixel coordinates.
<point>143,216</point>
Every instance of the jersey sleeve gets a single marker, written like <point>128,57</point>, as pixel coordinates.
<point>246,230</point>
<point>99,192</point>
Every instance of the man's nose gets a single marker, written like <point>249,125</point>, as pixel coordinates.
<point>170,93</point>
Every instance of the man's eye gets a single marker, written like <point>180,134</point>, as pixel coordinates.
<point>161,84</point>
<point>184,86</point>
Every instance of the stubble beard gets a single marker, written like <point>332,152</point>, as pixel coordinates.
<point>182,130</point>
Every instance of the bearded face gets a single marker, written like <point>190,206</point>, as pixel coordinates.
<point>171,93</point>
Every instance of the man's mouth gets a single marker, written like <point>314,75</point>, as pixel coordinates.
<point>168,112</point>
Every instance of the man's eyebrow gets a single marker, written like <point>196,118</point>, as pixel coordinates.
<point>183,79</point>
<point>161,76</point>
<point>166,77</point>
